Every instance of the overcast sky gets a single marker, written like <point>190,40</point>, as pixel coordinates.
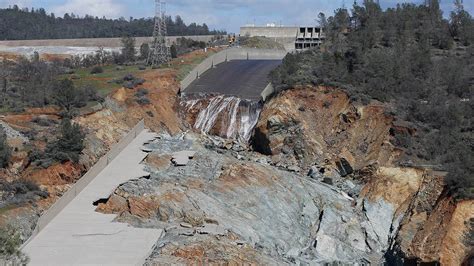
<point>218,14</point>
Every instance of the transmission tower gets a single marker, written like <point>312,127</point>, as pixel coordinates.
<point>159,50</point>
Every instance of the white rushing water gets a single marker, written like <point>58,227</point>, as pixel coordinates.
<point>229,117</point>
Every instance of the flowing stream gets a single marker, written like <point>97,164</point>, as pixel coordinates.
<point>226,116</point>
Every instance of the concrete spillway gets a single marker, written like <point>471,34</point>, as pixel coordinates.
<point>245,79</point>
<point>223,95</point>
<point>79,235</point>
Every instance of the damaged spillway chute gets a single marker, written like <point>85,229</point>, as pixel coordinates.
<point>229,117</point>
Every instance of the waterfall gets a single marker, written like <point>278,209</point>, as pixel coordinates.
<point>226,116</point>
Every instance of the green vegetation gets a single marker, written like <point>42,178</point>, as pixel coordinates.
<point>260,42</point>
<point>141,97</point>
<point>144,51</point>
<point>97,70</point>
<point>185,45</point>
<point>24,24</point>
<point>34,83</point>
<point>104,82</point>
<point>412,58</point>
<point>10,242</point>
<point>5,150</point>
<point>69,144</point>
<point>128,49</point>
<point>67,96</point>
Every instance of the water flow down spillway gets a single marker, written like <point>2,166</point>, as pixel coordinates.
<point>229,117</point>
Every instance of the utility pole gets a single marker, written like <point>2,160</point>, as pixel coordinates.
<point>159,50</point>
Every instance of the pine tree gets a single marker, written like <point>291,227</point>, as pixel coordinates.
<point>69,144</point>
<point>5,150</point>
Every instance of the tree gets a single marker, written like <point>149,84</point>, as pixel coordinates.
<point>128,49</point>
<point>15,24</point>
<point>144,51</point>
<point>69,144</point>
<point>5,150</point>
<point>462,24</point>
<point>389,56</point>
<point>66,96</point>
<point>322,21</point>
<point>173,51</point>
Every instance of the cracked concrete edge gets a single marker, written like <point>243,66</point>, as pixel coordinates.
<point>144,260</point>
<point>75,190</point>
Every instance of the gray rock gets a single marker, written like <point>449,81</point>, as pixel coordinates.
<point>186,225</point>
<point>286,150</point>
<point>314,173</point>
<point>12,133</point>
<point>212,229</point>
<point>380,215</point>
<point>282,214</point>
<point>294,168</point>
<point>182,158</point>
<point>186,232</point>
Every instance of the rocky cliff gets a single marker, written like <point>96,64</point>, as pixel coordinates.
<point>322,186</point>
<point>321,183</point>
<point>320,132</point>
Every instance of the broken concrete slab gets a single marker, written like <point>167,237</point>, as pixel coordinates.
<point>182,158</point>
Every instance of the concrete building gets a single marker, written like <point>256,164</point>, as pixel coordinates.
<point>293,38</point>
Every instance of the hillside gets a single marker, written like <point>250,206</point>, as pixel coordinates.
<point>415,62</point>
<point>35,24</point>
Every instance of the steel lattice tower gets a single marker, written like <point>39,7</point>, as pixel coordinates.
<point>159,50</point>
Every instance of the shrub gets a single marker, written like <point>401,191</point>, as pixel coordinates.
<point>143,100</point>
<point>141,92</point>
<point>97,70</point>
<point>138,81</point>
<point>5,150</point>
<point>128,77</point>
<point>69,144</point>
<point>10,242</point>
<point>44,122</point>
<point>128,85</point>
<point>90,93</point>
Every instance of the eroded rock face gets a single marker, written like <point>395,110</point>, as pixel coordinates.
<point>238,208</point>
<point>319,126</point>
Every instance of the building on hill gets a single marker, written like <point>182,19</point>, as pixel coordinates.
<point>293,38</point>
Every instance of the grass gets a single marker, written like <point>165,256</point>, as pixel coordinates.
<point>183,66</point>
<point>100,81</point>
<point>8,208</point>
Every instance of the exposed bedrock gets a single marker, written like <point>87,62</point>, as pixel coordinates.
<point>324,187</point>
<point>241,211</point>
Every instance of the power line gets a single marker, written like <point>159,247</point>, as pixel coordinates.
<point>159,50</point>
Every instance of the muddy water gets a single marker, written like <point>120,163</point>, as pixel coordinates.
<point>225,116</point>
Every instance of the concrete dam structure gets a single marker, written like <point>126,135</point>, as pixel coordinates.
<point>293,38</point>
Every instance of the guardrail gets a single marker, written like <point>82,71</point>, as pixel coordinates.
<point>65,199</point>
<point>229,55</point>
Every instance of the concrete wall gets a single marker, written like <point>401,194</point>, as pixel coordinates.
<point>61,203</point>
<point>228,55</point>
<point>96,42</point>
<point>267,92</point>
<point>270,32</point>
<point>283,35</point>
